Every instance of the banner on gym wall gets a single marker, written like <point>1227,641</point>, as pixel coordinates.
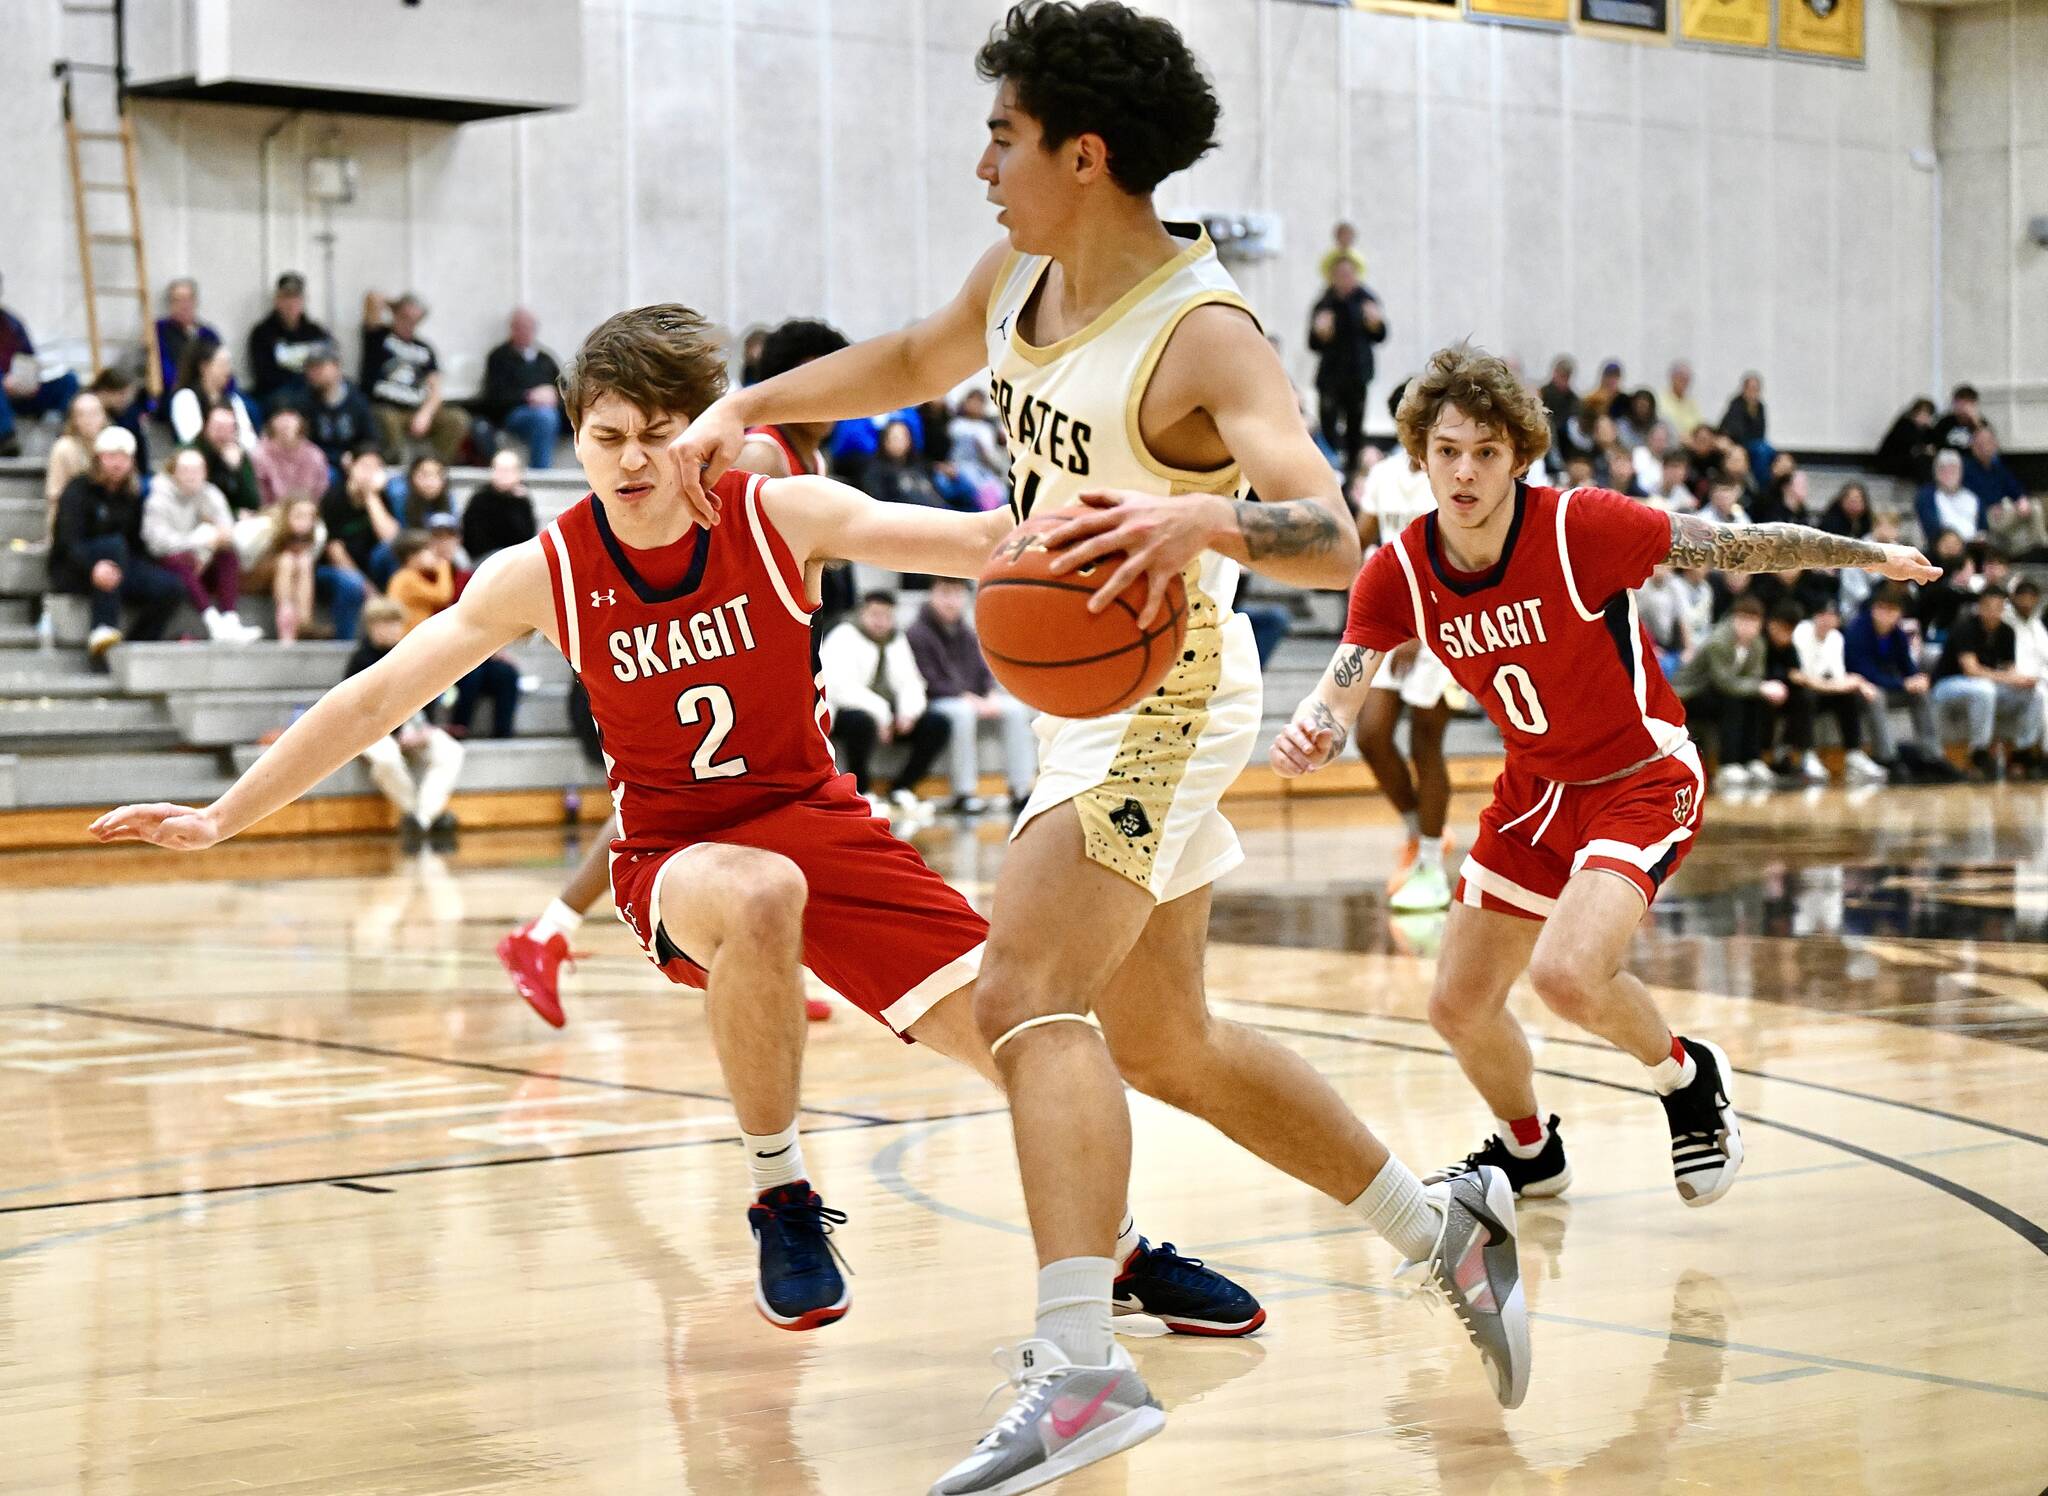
<point>1442,9</point>
<point>1742,24</point>
<point>1831,29</point>
<point>1639,20</point>
<point>1522,12</point>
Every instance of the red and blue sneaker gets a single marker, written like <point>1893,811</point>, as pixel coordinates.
<point>799,1286</point>
<point>1183,1293</point>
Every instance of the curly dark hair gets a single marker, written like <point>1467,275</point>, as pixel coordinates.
<point>1483,388</point>
<point>1104,69</point>
<point>797,342</point>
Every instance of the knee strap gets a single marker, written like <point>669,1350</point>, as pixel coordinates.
<point>1032,1023</point>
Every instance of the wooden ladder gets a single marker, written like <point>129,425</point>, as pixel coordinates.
<point>128,231</point>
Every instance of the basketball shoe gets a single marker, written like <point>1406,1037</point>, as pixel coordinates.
<point>1411,850</point>
<point>1065,1417</point>
<point>1548,1173</point>
<point>1184,1293</point>
<point>799,1286</point>
<point>1424,889</point>
<point>1474,1270</point>
<point>535,968</point>
<point>1706,1141</point>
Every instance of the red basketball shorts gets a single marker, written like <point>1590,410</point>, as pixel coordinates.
<point>880,928</point>
<point>1536,834</point>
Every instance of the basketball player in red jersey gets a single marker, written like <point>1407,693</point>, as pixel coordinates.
<point>533,955</point>
<point>743,854</point>
<point>1140,396</point>
<point>1524,593</point>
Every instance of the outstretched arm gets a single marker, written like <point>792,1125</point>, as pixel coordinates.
<point>1700,542</point>
<point>822,520</point>
<point>507,598</point>
<point>1322,723</point>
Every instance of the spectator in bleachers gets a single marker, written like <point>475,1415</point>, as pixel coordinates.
<point>1723,683</point>
<point>25,387</point>
<point>877,696</point>
<point>1676,404</point>
<point>228,464</point>
<point>1979,675</point>
<point>284,559</point>
<point>520,394</point>
<point>287,464</point>
<point>2030,636</point>
<point>205,380</point>
<point>84,420</point>
<point>1945,504</point>
<point>1621,474</point>
<point>1837,690</point>
<point>1343,249</point>
<point>281,343</point>
<point>96,548</point>
<point>1661,606</point>
<point>1953,431</point>
<point>421,494</point>
<point>357,522</point>
<point>1344,327</point>
<point>977,447</point>
<point>1745,422</point>
<point>1937,604</point>
<point>403,377</point>
<point>415,748</point>
<point>1606,396</point>
<point>1705,453</point>
<point>120,394</point>
<point>2014,520</point>
<point>964,692</point>
<point>751,343</point>
<point>501,512</point>
<point>178,330</point>
<point>190,532</point>
<point>1787,500</point>
<point>1877,647</point>
<point>1736,467</point>
<point>1788,723</point>
<point>1907,450</point>
<point>897,475</point>
<point>1724,502</point>
<point>1635,417</point>
<point>424,583</point>
<point>1652,449</point>
<point>854,442</point>
<point>1673,493</point>
<point>338,415</point>
<point>1560,403</point>
<point>1854,587</point>
<point>1849,512</point>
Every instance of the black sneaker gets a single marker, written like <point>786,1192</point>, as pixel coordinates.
<point>1184,1293</point>
<point>799,1286</point>
<point>1548,1173</point>
<point>1706,1142</point>
<point>443,832</point>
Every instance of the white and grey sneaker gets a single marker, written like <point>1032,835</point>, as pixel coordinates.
<point>1065,1417</point>
<point>1706,1141</point>
<point>1475,1271</point>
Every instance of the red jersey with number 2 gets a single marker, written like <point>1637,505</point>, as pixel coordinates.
<point>699,689</point>
<point>1547,640</point>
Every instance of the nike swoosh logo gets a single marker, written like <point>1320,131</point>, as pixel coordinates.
<point>777,1153</point>
<point>1066,1428</point>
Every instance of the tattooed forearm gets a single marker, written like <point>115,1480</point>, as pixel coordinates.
<point>1701,542</point>
<point>1322,719</point>
<point>1300,527</point>
<point>1348,669</point>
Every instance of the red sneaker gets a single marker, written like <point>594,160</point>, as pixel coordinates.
<point>535,967</point>
<point>817,1009</point>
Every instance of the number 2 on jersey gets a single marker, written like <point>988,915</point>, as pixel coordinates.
<point>690,707</point>
<point>1518,699</point>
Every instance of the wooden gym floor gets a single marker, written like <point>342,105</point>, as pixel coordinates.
<point>298,1198</point>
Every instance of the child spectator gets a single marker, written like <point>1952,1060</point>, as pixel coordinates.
<point>417,766</point>
<point>287,464</point>
<point>190,532</point>
<point>285,562</point>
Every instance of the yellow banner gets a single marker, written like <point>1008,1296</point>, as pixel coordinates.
<point>1535,12</point>
<point>1437,8</point>
<point>1726,23</point>
<point>1822,28</point>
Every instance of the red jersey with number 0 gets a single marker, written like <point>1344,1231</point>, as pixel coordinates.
<point>703,692</point>
<point>1548,639</point>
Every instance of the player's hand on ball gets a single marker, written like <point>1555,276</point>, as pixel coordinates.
<point>1158,536</point>
<point>1904,564</point>
<point>1311,740</point>
<point>707,447</point>
<point>182,828</point>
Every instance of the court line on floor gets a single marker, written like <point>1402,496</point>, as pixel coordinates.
<point>2028,1231</point>
<point>465,1161</point>
<point>1769,1075</point>
<point>886,1167</point>
<point>86,1233</point>
<point>341,1047</point>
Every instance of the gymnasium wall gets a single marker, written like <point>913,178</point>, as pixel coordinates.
<point>768,157</point>
<point>1991,128</point>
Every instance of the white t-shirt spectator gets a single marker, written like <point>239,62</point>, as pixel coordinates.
<point>1396,494</point>
<point>1959,511</point>
<point>850,661</point>
<point>188,418</point>
<point>2030,655</point>
<point>1820,660</point>
<point>1695,608</point>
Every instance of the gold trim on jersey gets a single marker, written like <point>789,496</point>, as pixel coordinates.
<point>1222,479</point>
<point>1033,353</point>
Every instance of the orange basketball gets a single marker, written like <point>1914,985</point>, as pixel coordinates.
<point>1049,651</point>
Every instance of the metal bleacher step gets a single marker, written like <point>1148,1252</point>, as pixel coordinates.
<point>23,519</point>
<point>47,722</point>
<point>487,764</point>
<point>24,568</point>
<point>214,719</point>
<point>111,778</point>
<point>167,669</point>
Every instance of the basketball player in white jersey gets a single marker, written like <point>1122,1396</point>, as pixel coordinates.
<point>1137,391</point>
<point>1397,492</point>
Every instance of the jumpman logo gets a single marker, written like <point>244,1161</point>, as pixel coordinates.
<point>606,597</point>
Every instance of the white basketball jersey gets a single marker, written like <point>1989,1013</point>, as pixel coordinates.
<point>1070,410</point>
<point>1397,493</point>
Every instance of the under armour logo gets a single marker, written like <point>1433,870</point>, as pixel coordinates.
<point>608,596</point>
<point>1130,819</point>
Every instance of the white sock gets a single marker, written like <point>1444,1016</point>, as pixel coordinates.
<point>1126,1240</point>
<point>557,919</point>
<point>773,1158</point>
<point>1413,821</point>
<point>1506,1133</point>
<point>1667,1075</point>
<point>1429,854</point>
<point>1395,1206</point>
<point>1073,1308</point>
